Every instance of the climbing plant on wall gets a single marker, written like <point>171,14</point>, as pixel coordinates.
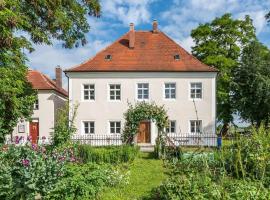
<point>143,111</point>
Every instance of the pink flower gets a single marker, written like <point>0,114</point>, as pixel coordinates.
<point>17,140</point>
<point>26,162</point>
<point>34,147</point>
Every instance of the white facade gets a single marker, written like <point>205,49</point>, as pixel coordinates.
<point>49,103</point>
<point>101,110</point>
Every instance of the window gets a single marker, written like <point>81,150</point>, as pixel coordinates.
<point>176,57</point>
<point>172,127</point>
<point>115,127</point>
<point>195,126</point>
<point>89,92</point>
<point>143,91</point>
<point>196,90</point>
<point>170,90</point>
<point>108,57</point>
<point>89,127</point>
<point>36,105</point>
<point>115,92</point>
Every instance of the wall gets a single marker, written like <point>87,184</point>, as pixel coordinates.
<point>102,110</point>
<point>49,102</point>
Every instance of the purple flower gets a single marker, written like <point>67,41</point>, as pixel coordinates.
<point>72,159</point>
<point>34,147</point>
<point>26,162</point>
<point>17,140</point>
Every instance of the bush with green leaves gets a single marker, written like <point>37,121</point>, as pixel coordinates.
<point>249,157</point>
<point>26,171</point>
<point>85,181</point>
<point>108,154</point>
<point>240,171</point>
<point>200,186</point>
<point>64,127</point>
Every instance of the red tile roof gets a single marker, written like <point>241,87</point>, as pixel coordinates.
<point>40,81</point>
<point>153,52</point>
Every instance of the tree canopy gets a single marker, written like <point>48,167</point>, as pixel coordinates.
<point>23,22</point>
<point>219,44</point>
<point>251,84</point>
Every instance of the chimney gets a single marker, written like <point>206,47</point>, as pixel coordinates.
<point>155,26</point>
<point>131,36</point>
<point>58,76</point>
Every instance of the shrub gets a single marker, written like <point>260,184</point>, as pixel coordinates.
<point>200,186</point>
<point>64,127</point>
<point>85,181</point>
<point>249,157</point>
<point>109,154</point>
<point>27,171</point>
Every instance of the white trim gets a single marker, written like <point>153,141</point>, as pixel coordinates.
<point>189,127</point>
<point>82,127</point>
<point>214,104</point>
<point>108,92</point>
<point>138,75</point>
<point>164,94</point>
<point>109,128</point>
<point>189,92</point>
<point>136,93</point>
<point>82,93</point>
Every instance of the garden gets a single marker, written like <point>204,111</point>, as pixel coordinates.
<point>73,171</point>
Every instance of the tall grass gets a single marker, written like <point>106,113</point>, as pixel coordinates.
<point>108,154</point>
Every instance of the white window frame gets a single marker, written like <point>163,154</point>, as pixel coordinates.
<point>83,127</point>
<point>137,91</point>
<point>168,130</point>
<point>109,92</point>
<point>164,91</point>
<point>195,120</point>
<point>195,82</point>
<point>82,93</point>
<point>115,127</point>
<point>36,104</point>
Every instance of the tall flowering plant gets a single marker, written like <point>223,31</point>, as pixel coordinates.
<point>31,170</point>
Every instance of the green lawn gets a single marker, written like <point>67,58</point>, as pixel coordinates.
<point>146,173</point>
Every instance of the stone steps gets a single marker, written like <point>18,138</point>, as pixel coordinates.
<point>146,147</point>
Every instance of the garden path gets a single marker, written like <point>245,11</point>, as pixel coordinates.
<point>146,173</point>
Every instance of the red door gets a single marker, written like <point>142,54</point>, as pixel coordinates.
<point>34,132</point>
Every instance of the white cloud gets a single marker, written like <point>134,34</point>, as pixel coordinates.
<point>126,11</point>
<point>183,16</point>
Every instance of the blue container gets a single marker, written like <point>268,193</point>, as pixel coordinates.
<point>219,141</point>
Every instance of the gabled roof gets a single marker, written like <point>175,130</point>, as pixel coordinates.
<point>153,52</point>
<point>40,81</point>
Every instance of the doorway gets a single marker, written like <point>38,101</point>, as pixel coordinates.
<point>34,131</point>
<point>144,134</point>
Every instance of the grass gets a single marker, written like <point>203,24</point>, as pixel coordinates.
<point>146,173</point>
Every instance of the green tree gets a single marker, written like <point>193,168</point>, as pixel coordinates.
<point>267,16</point>
<point>219,44</point>
<point>23,22</point>
<point>251,84</point>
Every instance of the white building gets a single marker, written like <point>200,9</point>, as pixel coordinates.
<point>51,97</point>
<point>143,66</point>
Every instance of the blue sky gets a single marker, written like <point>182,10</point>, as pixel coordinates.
<point>175,17</point>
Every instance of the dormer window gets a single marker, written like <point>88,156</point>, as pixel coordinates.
<point>108,57</point>
<point>176,57</point>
